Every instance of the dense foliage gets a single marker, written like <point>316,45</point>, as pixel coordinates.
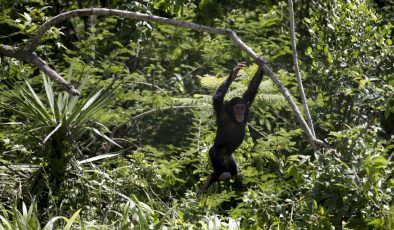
<point>132,150</point>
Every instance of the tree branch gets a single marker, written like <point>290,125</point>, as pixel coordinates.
<point>34,41</point>
<point>32,58</point>
<point>297,68</point>
<point>285,92</point>
<point>118,13</point>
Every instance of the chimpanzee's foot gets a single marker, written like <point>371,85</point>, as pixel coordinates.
<point>225,176</point>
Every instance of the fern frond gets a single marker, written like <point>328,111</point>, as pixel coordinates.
<point>199,101</point>
<point>267,155</point>
<point>272,99</point>
<point>267,86</point>
<point>210,82</point>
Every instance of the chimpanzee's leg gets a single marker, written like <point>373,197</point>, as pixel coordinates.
<point>233,166</point>
<point>211,178</point>
<point>219,164</point>
<point>221,161</point>
<point>218,160</point>
<point>225,176</point>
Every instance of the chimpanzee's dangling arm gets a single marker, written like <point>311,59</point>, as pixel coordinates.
<point>218,97</point>
<point>253,87</point>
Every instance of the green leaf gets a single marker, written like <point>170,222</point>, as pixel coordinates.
<point>36,102</point>
<point>26,16</point>
<point>91,100</point>
<point>106,137</point>
<point>362,83</point>
<point>50,223</point>
<point>209,82</point>
<point>379,162</point>
<point>100,157</point>
<point>71,221</point>
<point>53,131</point>
<point>309,51</point>
<point>329,59</point>
<point>329,25</point>
<point>50,95</point>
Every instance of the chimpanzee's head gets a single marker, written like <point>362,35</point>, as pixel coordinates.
<point>238,109</point>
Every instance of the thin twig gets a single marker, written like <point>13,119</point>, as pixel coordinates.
<point>146,83</point>
<point>146,113</point>
<point>199,134</point>
<point>160,109</point>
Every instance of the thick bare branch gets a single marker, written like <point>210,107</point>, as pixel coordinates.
<point>34,41</point>
<point>119,13</point>
<point>32,58</point>
<point>35,60</point>
<point>285,92</point>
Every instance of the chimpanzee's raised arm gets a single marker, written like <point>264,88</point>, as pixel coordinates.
<point>253,87</point>
<point>218,97</point>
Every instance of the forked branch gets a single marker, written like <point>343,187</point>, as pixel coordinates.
<point>34,42</point>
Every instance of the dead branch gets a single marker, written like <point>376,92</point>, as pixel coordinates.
<point>32,58</point>
<point>34,41</point>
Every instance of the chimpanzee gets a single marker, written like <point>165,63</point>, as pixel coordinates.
<point>231,119</point>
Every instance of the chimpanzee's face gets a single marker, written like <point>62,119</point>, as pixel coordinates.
<point>239,112</point>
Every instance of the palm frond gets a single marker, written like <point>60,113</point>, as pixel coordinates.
<point>59,110</point>
<point>30,104</point>
<point>50,95</point>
